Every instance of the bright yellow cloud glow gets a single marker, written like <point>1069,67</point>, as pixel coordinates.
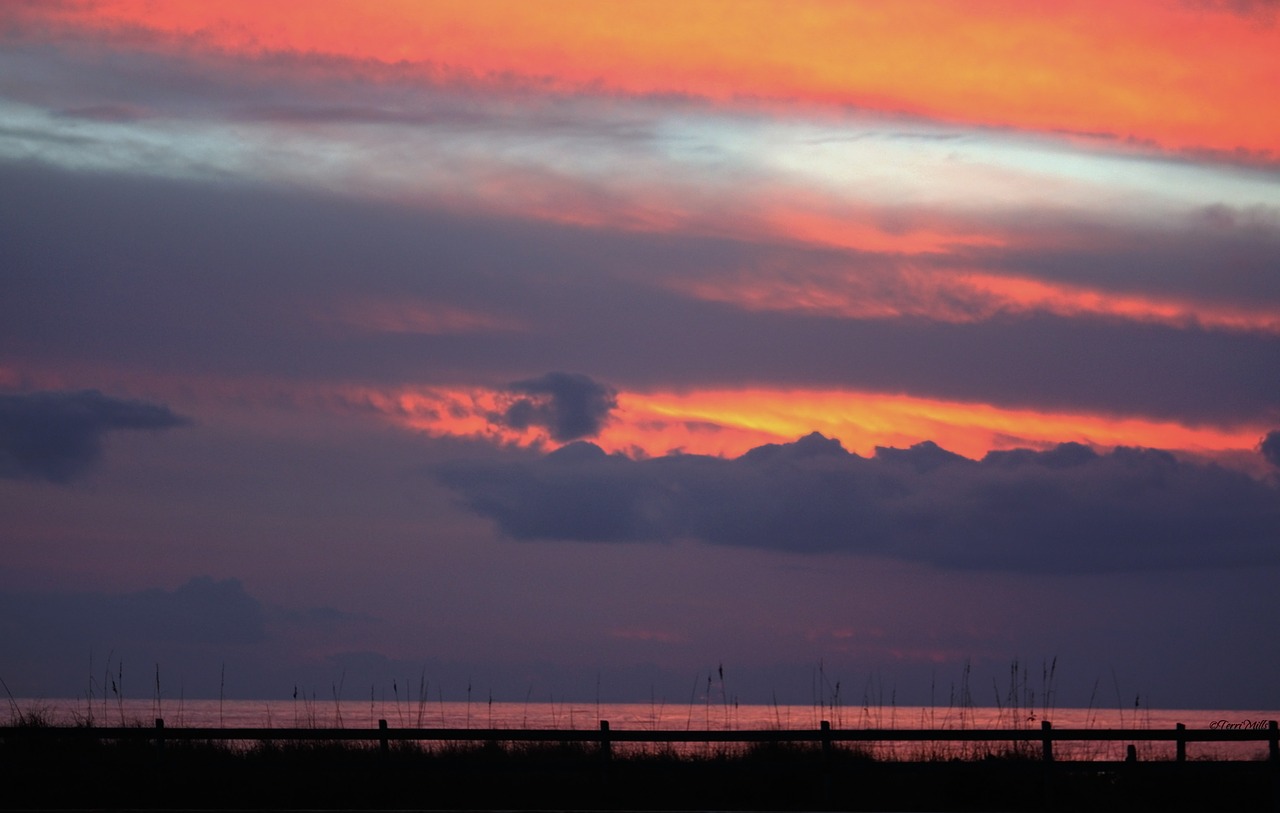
<point>729,422</point>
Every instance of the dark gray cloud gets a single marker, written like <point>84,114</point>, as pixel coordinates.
<point>203,610</point>
<point>57,436</point>
<point>1066,509</point>
<point>568,405</point>
<point>1270,447</point>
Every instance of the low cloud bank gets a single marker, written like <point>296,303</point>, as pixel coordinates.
<point>1066,509</point>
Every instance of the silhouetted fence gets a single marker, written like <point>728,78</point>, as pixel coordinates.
<point>605,737</point>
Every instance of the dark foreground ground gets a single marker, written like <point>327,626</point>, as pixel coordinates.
<point>41,774</point>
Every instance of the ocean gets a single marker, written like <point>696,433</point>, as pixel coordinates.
<point>304,712</point>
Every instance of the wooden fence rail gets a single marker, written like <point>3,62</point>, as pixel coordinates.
<point>605,736</point>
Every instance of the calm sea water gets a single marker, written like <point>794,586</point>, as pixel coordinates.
<point>405,713</point>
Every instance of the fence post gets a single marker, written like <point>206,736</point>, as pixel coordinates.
<point>160,734</point>
<point>1182,743</point>
<point>1273,755</point>
<point>606,745</point>
<point>382,737</point>
<point>1046,750</point>
<point>825,727</point>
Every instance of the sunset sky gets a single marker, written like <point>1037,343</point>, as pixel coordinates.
<point>581,347</point>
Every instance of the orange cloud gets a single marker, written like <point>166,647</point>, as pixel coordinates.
<point>1180,76</point>
<point>768,214</point>
<point>861,232</point>
<point>729,422</point>
<point>1022,294</point>
<point>444,412</point>
<point>864,420</point>
<point>963,296</point>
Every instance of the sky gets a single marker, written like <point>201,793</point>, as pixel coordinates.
<point>580,350</point>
